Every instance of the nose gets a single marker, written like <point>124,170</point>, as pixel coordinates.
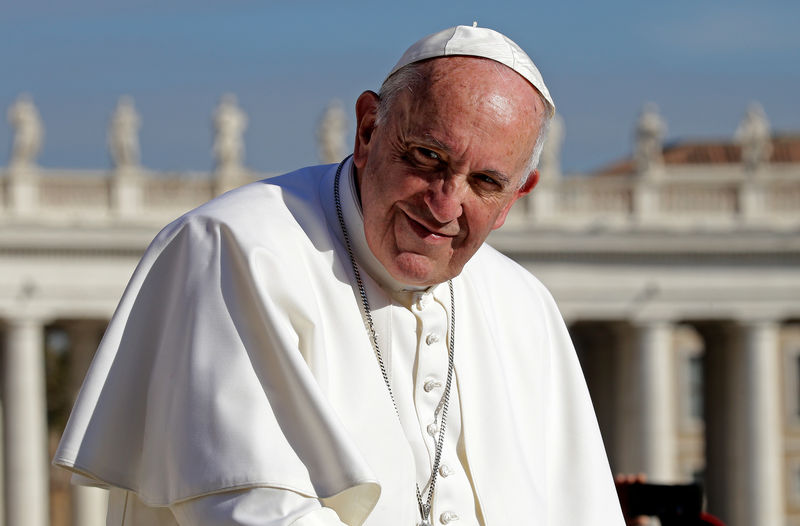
<point>445,198</point>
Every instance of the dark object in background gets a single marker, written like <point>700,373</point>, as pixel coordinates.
<point>674,505</point>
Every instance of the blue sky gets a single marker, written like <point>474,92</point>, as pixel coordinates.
<point>701,61</point>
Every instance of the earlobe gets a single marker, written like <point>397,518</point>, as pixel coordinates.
<point>530,183</point>
<point>366,114</point>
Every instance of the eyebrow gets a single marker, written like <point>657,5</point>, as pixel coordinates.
<point>500,176</point>
<point>439,144</point>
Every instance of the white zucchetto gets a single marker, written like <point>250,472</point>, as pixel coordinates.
<point>477,42</point>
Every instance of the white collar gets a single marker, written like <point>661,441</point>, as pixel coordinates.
<point>354,221</point>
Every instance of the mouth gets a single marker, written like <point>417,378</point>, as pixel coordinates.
<point>425,232</point>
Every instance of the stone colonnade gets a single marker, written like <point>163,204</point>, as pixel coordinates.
<point>632,369</point>
<point>25,455</point>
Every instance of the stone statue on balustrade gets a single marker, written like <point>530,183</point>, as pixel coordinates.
<point>230,123</point>
<point>650,130</point>
<point>28,132</point>
<point>550,161</point>
<point>123,138</point>
<point>753,134</point>
<point>332,133</point>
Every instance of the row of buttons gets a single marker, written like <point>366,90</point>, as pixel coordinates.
<point>423,300</point>
<point>447,517</point>
<point>444,518</point>
<point>431,384</point>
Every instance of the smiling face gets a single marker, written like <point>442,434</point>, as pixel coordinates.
<point>443,168</point>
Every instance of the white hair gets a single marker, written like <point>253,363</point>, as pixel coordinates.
<point>412,77</point>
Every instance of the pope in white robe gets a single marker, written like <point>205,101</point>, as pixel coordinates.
<point>237,383</point>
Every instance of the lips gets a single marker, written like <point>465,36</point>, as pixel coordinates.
<point>424,231</point>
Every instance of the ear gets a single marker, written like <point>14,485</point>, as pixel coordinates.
<point>530,183</point>
<point>366,114</point>
<point>525,189</point>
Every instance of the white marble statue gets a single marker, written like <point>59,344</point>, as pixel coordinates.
<point>753,134</point>
<point>650,130</point>
<point>332,133</point>
<point>123,139</point>
<point>28,131</point>
<point>229,125</point>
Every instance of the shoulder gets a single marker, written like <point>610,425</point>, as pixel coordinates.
<point>270,210</point>
<point>504,285</point>
<point>493,270</point>
<point>273,196</point>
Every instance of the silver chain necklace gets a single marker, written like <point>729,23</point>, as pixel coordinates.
<point>424,507</point>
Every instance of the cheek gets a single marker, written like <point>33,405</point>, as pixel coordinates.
<point>486,214</point>
<point>396,185</point>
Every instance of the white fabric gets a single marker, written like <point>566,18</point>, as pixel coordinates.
<point>413,333</point>
<point>419,336</point>
<point>238,358</point>
<point>477,42</point>
<point>253,507</point>
<point>249,507</point>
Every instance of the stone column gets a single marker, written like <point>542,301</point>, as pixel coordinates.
<point>89,505</point>
<point>763,432</point>
<point>723,410</point>
<point>626,443</point>
<point>596,344</point>
<point>25,425</point>
<point>653,386</point>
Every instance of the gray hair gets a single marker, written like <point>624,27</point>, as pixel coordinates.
<point>411,77</point>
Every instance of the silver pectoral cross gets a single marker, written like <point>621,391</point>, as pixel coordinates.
<point>425,513</point>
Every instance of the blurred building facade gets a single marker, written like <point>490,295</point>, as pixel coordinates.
<point>678,271</point>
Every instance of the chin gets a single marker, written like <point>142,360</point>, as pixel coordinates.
<point>414,269</point>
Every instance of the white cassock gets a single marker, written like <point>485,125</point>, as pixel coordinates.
<point>236,383</point>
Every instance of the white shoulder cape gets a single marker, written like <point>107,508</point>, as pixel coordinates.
<point>238,358</point>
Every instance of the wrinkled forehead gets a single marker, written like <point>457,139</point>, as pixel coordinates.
<point>468,103</point>
<point>475,81</point>
<point>477,42</point>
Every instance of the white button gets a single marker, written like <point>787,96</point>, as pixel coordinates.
<point>431,338</point>
<point>431,384</point>
<point>423,300</point>
<point>432,429</point>
<point>448,516</point>
<point>445,470</point>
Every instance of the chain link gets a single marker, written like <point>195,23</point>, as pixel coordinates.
<point>424,507</point>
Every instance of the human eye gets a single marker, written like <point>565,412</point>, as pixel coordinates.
<point>488,180</point>
<point>425,156</point>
